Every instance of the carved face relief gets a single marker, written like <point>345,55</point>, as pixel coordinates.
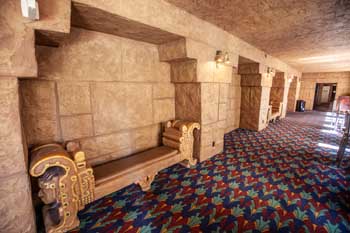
<point>49,190</point>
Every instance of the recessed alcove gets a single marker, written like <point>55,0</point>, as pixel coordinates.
<point>103,84</point>
<point>293,94</point>
<point>256,85</point>
<point>105,52</point>
<point>279,93</point>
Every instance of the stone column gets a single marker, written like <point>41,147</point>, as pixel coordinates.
<point>16,210</point>
<point>201,91</point>
<point>233,103</point>
<point>255,94</point>
<point>293,94</point>
<point>279,91</point>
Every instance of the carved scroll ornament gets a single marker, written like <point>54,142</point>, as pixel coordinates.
<point>180,135</point>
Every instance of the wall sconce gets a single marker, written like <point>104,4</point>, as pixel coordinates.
<point>271,72</point>
<point>221,58</point>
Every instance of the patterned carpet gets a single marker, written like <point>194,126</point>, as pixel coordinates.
<point>282,179</point>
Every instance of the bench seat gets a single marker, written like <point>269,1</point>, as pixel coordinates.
<point>120,173</point>
<point>77,184</point>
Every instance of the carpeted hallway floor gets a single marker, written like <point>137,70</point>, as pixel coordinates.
<point>326,120</point>
<point>282,179</point>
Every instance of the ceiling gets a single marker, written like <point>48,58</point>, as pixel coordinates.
<point>310,35</point>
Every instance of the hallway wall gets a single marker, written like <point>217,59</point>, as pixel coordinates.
<point>279,91</point>
<point>109,92</point>
<point>293,94</point>
<point>15,191</point>
<point>309,80</point>
<point>233,103</point>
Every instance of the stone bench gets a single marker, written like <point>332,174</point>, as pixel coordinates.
<point>67,182</point>
<point>140,168</point>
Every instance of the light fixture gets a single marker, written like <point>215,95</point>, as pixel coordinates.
<point>271,72</point>
<point>30,9</point>
<point>221,58</point>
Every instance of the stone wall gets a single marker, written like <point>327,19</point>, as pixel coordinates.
<point>293,94</point>
<point>233,109</point>
<point>279,91</point>
<point>256,84</point>
<point>309,80</point>
<point>214,104</point>
<point>160,14</point>
<point>17,53</point>
<point>109,92</point>
<point>15,191</point>
<point>202,91</point>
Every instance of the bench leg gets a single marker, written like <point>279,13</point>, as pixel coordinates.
<point>145,183</point>
<point>188,163</point>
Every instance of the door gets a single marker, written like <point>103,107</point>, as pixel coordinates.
<point>325,94</point>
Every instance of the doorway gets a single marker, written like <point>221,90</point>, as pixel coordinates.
<point>324,96</point>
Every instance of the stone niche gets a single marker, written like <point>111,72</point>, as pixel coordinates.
<point>215,106</point>
<point>293,94</point>
<point>108,92</point>
<point>256,84</point>
<point>279,91</point>
<point>113,93</point>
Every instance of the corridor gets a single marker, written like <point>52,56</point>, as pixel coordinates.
<point>281,179</point>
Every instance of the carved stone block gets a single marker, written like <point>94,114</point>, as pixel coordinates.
<point>74,98</point>
<point>72,127</point>
<point>39,111</point>
<point>188,94</point>
<point>163,90</point>
<point>111,106</point>
<point>164,110</point>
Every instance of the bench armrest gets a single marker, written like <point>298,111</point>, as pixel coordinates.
<point>180,135</point>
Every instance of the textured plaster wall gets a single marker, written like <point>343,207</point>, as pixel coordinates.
<point>220,113</point>
<point>161,14</point>
<point>256,85</point>
<point>279,91</point>
<point>214,105</point>
<point>309,80</point>
<point>15,191</point>
<point>17,59</point>
<point>233,103</point>
<point>205,92</point>
<point>17,54</point>
<point>111,93</point>
<point>293,94</point>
